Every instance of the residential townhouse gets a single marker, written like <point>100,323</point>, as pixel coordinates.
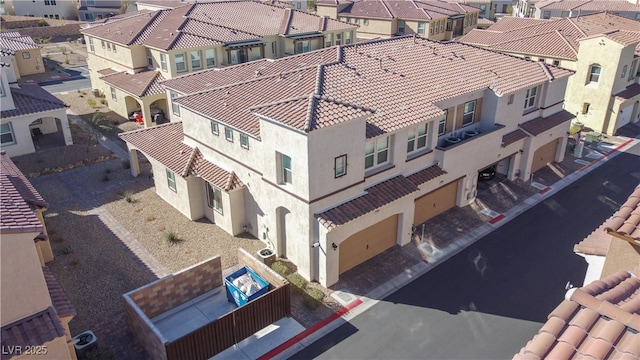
<point>603,50</point>
<point>131,54</point>
<point>64,9</point>
<point>35,312</point>
<point>26,111</point>
<point>90,10</point>
<point>432,19</point>
<point>29,60</point>
<point>548,9</point>
<point>490,9</point>
<point>330,157</point>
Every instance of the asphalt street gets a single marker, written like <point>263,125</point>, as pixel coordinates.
<point>79,80</point>
<point>490,299</point>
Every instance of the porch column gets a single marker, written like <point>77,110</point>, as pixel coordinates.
<point>66,130</point>
<point>133,162</point>
<point>146,114</point>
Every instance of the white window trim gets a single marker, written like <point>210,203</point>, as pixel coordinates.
<point>214,198</point>
<point>592,74</point>
<point>13,136</point>
<point>414,138</point>
<point>198,60</point>
<point>244,141</point>
<point>207,58</point>
<point>171,180</point>
<point>531,101</point>
<point>163,61</point>
<point>336,170</point>
<point>175,108</point>
<point>215,128</point>
<point>184,62</point>
<point>377,152</point>
<point>114,95</point>
<point>284,170</point>
<point>465,113</point>
<point>228,133</point>
<point>442,125</point>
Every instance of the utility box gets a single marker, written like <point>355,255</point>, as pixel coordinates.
<point>85,343</point>
<point>267,256</point>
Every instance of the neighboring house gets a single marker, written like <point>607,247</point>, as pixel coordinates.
<point>603,49</point>
<point>348,147</point>
<point>54,9</point>
<point>490,9</point>
<point>571,8</point>
<point>600,320</point>
<point>27,59</point>
<point>27,112</point>
<point>432,19</point>
<point>91,10</point>
<point>35,311</point>
<point>131,54</point>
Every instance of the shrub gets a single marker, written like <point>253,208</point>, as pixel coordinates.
<point>280,268</point>
<point>69,40</point>
<point>67,250</point>
<point>66,61</point>
<point>312,298</point>
<point>171,238</point>
<point>91,102</point>
<point>298,282</point>
<point>104,102</point>
<point>128,197</point>
<point>42,22</point>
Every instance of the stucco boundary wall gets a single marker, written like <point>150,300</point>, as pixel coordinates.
<point>148,301</point>
<point>28,26</point>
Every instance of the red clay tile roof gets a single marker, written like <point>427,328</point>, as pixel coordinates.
<point>107,71</point>
<point>424,10</point>
<point>202,24</point>
<point>558,37</point>
<point>169,4</point>
<point>598,321</point>
<point>588,5</point>
<point>31,99</point>
<point>164,144</point>
<point>140,84</point>
<point>18,200</point>
<point>625,223</point>
<point>376,197</point>
<point>596,243</point>
<point>513,136</point>
<point>60,301</point>
<point>380,75</point>
<point>631,91</point>
<point>539,125</point>
<point>426,174</point>
<point>13,41</point>
<point>33,330</point>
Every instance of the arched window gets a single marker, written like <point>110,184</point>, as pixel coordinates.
<point>594,73</point>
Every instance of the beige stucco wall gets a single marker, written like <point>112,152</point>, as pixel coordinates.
<point>31,65</point>
<point>65,9</point>
<point>54,349</point>
<point>23,291</point>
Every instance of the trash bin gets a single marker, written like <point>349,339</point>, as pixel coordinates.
<point>84,343</point>
<point>267,256</point>
<point>159,118</point>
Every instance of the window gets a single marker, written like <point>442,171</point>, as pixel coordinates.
<point>115,49</point>
<point>340,166</point>
<point>638,16</point>
<point>91,2</point>
<point>564,14</point>
<point>109,46</point>
<point>171,180</point>
<point>47,2</point>
<point>327,40</point>
<point>46,16</point>
<point>400,26</point>
<point>113,94</point>
<point>88,16</point>
<point>348,20</point>
<point>624,69</point>
<point>6,134</point>
<point>26,55</point>
<point>103,44</point>
<point>469,113</point>
<point>465,21</point>
<point>238,56</point>
<point>286,175</point>
<point>449,25</point>
<point>417,138</point>
<point>228,133</point>
<point>214,128</point>
<point>510,101</point>
<point>585,108</point>
<point>347,37</point>
<point>366,21</point>
<point>91,47</point>
<point>594,73</point>
<point>483,10</point>
<point>376,152</point>
<point>53,2</point>
<point>530,98</point>
<point>214,197</point>
<point>632,70</point>
<point>556,62</point>
<point>174,107</point>
<point>441,26</point>
<point>339,39</point>
<point>442,124</point>
<point>181,66</point>
<point>163,61</point>
<point>2,94</point>
<point>421,28</point>
<point>149,58</point>
<point>273,47</point>
<point>546,15</point>
<point>302,46</point>
<point>357,21</point>
<point>541,60</point>
<point>244,141</point>
<point>195,60</point>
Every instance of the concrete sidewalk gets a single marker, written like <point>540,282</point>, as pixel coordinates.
<point>362,287</point>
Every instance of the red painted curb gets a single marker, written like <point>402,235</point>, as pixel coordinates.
<point>496,219</point>
<point>317,326</point>
<point>605,155</point>
<point>425,261</point>
<point>544,190</point>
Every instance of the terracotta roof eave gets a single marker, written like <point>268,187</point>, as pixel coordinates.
<point>21,229</point>
<point>279,123</point>
<point>63,108</point>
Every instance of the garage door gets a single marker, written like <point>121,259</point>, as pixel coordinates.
<point>544,155</point>
<point>435,202</point>
<point>368,243</point>
<point>625,117</point>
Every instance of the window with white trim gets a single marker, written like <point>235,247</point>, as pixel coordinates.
<point>302,46</point>
<point>376,152</point>
<point>196,62</point>
<point>340,166</point>
<point>149,58</point>
<point>26,55</point>
<point>417,138</point>
<point>228,133</point>
<point>285,175</point>
<point>366,21</point>
<point>442,124</point>
<point>624,70</point>
<point>546,14</point>
<point>244,141</point>
<point>174,107</point>
<point>115,48</point>
<point>214,128</point>
<point>632,71</point>
<point>6,134</point>
<point>181,65</point>
<point>469,113</point>
<point>2,94</point>
<point>339,39</point>
<point>210,58</point>
<point>239,56</point>
<point>347,37</point>
<point>108,46</point>
<point>328,40</point>
<point>594,73</point>
<point>114,96</point>
<point>171,180</point>
<point>91,47</point>
<point>214,197</point>
<point>421,28</point>
<point>103,44</point>
<point>401,26</point>
<point>530,98</point>
<point>163,61</point>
